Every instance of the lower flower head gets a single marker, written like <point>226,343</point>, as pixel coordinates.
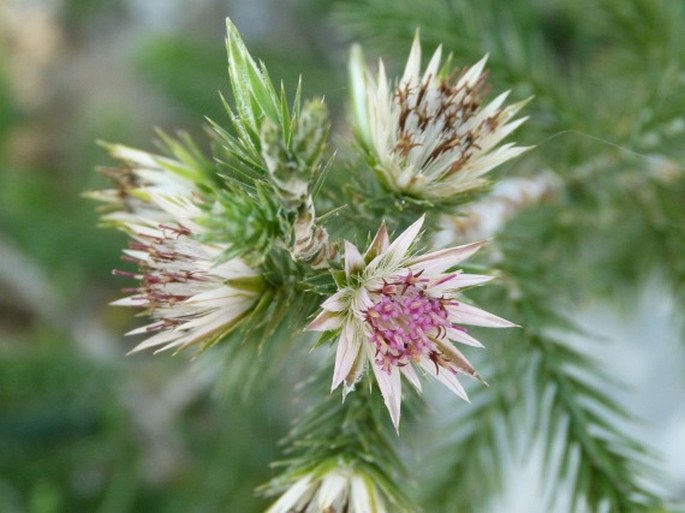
<point>397,312</point>
<point>331,488</point>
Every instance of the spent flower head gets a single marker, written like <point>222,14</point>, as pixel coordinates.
<point>428,134</point>
<point>399,312</point>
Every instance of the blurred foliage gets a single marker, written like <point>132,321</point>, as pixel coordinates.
<point>68,244</point>
<point>607,77</point>
<point>59,428</point>
<point>160,60</point>
<point>71,442</point>
<point>7,110</point>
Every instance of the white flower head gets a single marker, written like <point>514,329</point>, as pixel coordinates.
<point>429,133</point>
<point>331,489</point>
<point>192,295</point>
<point>400,313</point>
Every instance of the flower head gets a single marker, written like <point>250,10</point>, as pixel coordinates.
<point>331,489</point>
<point>429,134</point>
<point>399,312</point>
<point>192,295</point>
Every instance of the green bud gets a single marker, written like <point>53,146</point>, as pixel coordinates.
<point>310,136</point>
<point>292,184</point>
<point>293,164</point>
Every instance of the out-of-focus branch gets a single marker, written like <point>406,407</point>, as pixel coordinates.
<point>485,218</point>
<point>153,411</point>
<point>26,284</point>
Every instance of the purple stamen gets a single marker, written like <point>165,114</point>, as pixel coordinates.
<point>404,321</point>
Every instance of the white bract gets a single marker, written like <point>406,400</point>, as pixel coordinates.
<point>141,175</point>
<point>429,135</point>
<point>336,490</point>
<point>399,313</point>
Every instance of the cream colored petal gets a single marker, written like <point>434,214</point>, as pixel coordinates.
<point>391,389</point>
<point>362,302</point>
<point>182,209</point>
<point>490,140</point>
<point>409,373</point>
<point>397,251</point>
<point>433,67</point>
<point>333,487</point>
<point>360,498</point>
<point>459,335</point>
<point>494,105</point>
<point>143,256</point>
<point>221,296</point>
<point>458,281</point>
<point>325,321</point>
<point>379,244</point>
<point>337,302</point>
<point>444,376</point>
<point>163,337</point>
<point>207,327</point>
<point>358,90</point>
<point>231,269</point>
<point>481,165</point>
<point>438,261</point>
<point>354,374</point>
<point>448,189</point>
<point>148,328</point>
<point>412,70</point>
<point>467,314</point>
<point>302,489</point>
<point>135,301</point>
<point>349,346</point>
<point>133,156</point>
<point>457,360</point>
<point>470,280</point>
<point>471,76</point>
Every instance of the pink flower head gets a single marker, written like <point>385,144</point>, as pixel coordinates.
<point>400,312</point>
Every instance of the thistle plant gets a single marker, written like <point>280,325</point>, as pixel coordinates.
<point>256,247</point>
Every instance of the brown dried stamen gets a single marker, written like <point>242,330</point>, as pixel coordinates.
<point>449,105</point>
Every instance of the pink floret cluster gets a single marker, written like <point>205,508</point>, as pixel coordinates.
<point>405,320</point>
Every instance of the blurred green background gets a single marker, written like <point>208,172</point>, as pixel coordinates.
<point>82,428</point>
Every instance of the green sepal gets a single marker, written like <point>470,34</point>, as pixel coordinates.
<point>340,278</point>
<point>327,337</point>
<point>249,284</point>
